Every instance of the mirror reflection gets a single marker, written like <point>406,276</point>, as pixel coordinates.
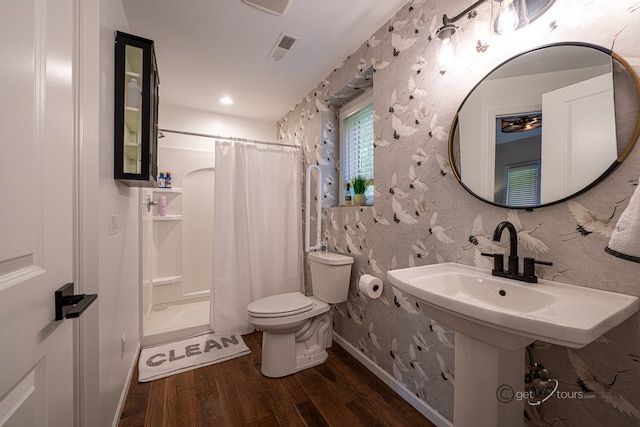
<point>539,128</point>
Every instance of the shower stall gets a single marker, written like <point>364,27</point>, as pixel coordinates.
<point>259,184</point>
<point>177,240</point>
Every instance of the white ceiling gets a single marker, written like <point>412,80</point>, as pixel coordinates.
<point>207,49</point>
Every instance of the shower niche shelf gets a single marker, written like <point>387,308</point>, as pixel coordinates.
<point>168,218</point>
<point>166,280</point>
<point>174,208</point>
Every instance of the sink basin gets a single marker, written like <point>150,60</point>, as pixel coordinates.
<point>512,314</point>
<point>494,319</point>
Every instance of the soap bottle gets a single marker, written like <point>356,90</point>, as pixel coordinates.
<point>161,180</point>
<point>167,180</point>
<point>347,195</point>
<point>163,206</point>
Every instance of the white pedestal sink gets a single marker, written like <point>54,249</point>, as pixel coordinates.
<point>495,319</point>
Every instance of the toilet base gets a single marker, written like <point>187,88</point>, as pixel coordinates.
<point>286,354</point>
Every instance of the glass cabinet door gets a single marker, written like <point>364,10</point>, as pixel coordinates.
<point>136,105</point>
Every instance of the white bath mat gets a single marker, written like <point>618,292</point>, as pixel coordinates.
<point>200,350</point>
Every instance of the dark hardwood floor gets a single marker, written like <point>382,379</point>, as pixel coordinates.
<point>340,392</point>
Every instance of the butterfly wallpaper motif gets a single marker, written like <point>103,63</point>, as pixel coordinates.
<point>422,215</point>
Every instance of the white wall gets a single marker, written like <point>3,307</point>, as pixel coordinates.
<point>118,294</point>
<point>198,121</point>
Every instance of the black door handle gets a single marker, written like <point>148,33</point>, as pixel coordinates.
<point>70,306</point>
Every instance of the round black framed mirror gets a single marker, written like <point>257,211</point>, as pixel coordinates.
<point>546,125</point>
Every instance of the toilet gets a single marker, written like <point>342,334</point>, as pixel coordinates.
<point>297,328</point>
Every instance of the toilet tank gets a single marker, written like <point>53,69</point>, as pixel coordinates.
<point>330,276</point>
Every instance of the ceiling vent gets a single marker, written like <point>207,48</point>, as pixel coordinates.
<point>283,45</point>
<point>277,7</point>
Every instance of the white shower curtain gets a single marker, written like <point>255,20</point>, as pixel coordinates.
<point>257,230</point>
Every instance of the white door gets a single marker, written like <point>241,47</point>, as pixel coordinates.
<point>36,211</point>
<point>578,136</point>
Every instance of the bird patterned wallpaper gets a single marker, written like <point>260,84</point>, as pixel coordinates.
<point>422,215</point>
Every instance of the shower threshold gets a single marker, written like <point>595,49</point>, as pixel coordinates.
<point>176,321</point>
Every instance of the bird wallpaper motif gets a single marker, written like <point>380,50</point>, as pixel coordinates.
<point>422,215</point>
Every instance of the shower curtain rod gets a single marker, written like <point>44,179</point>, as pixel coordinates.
<point>228,138</point>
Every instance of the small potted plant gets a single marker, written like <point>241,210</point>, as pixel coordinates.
<point>360,185</point>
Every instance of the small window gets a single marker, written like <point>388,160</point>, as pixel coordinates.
<point>356,139</point>
<point>523,184</point>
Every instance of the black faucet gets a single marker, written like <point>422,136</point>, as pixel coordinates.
<point>513,244</point>
<point>513,261</point>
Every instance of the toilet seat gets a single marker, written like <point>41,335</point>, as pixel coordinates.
<point>281,305</point>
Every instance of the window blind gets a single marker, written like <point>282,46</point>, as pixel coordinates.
<point>358,147</point>
<point>523,185</point>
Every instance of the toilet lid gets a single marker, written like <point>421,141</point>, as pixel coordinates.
<point>280,305</point>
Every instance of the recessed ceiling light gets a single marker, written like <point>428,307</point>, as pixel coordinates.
<point>226,100</point>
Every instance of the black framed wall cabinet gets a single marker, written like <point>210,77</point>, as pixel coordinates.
<point>136,111</point>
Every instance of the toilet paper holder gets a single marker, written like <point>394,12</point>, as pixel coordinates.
<point>370,285</point>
